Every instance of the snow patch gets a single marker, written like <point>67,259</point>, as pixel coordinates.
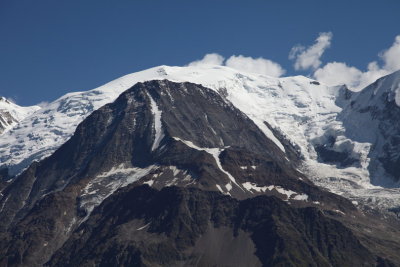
<point>340,212</point>
<point>219,188</point>
<point>159,134</point>
<point>149,182</point>
<point>288,193</point>
<point>144,226</point>
<point>228,187</point>
<point>283,191</point>
<point>301,197</point>
<point>174,170</point>
<point>70,225</point>
<point>250,186</point>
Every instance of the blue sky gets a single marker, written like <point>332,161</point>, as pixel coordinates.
<point>49,48</point>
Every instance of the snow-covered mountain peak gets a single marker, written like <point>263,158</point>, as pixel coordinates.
<point>11,114</point>
<point>387,87</point>
<point>371,117</point>
<point>261,97</point>
<point>296,111</point>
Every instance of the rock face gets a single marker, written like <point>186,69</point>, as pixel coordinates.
<point>84,205</point>
<point>140,226</point>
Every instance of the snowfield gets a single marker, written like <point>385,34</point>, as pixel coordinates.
<point>302,110</point>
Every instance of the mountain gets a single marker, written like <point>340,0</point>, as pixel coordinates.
<point>363,143</point>
<point>167,174</point>
<point>377,108</point>
<point>11,114</point>
<point>247,92</point>
<point>170,130</point>
<point>315,125</point>
<point>187,227</point>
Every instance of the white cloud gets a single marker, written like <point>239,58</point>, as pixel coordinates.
<point>310,58</point>
<point>248,64</point>
<point>391,56</point>
<point>209,59</point>
<point>334,73</point>
<point>43,104</point>
<point>255,65</point>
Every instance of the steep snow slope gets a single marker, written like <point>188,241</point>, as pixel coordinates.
<point>296,108</point>
<point>11,114</point>
<point>372,118</point>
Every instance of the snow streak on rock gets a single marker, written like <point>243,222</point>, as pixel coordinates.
<point>158,136</point>
<point>215,152</point>
<point>289,193</point>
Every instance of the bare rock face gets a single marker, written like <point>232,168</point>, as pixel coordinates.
<point>188,227</point>
<point>85,204</point>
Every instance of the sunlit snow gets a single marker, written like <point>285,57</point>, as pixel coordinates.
<point>288,193</point>
<point>157,123</point>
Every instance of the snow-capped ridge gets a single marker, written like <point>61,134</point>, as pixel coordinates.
<point>389,84</point>
<point>11,114</point>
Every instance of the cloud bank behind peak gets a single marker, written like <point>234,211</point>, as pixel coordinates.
<point>309,59</point>
<point>247,64</point>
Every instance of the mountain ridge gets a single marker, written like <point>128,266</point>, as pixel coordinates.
<point>297,111</point>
